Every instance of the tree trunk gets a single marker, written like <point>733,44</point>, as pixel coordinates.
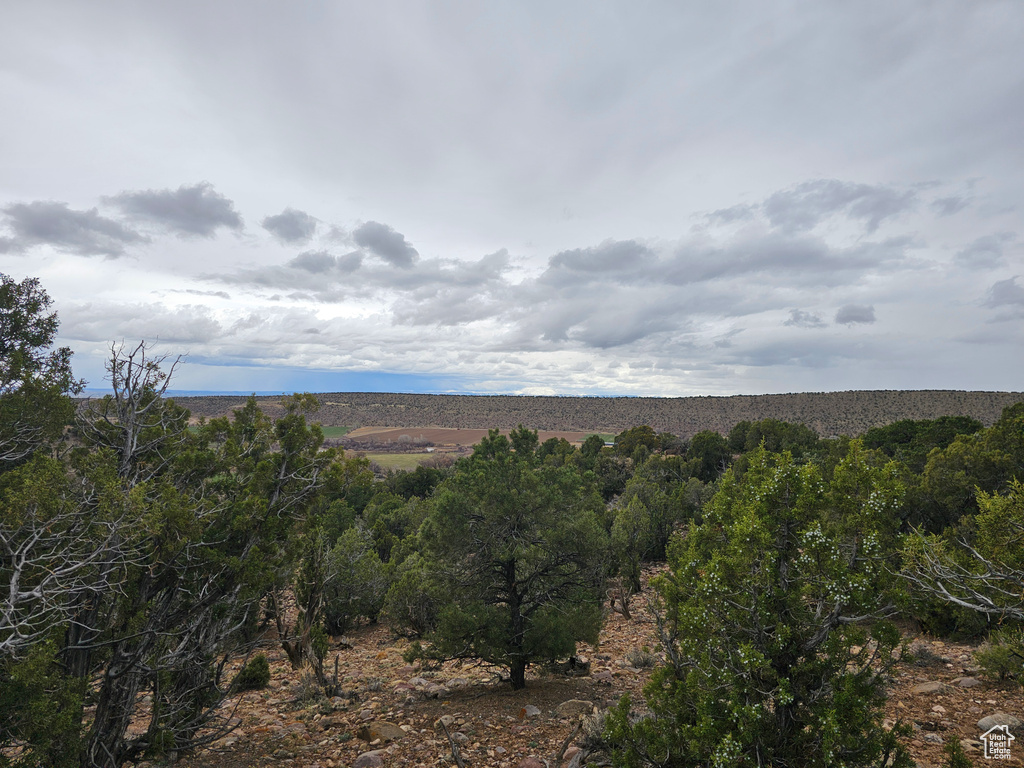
<point>105,744</point>
<point>517,663</point>
<point>517,673</point>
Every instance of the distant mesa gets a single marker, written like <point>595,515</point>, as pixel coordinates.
<point>828,413</point>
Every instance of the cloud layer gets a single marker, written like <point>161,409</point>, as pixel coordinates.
<point>643,199</point>
<point>633,315</point>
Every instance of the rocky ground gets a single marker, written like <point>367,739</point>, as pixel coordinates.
<point>391,711</point>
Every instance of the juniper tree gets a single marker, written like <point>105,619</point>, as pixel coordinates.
<point>982,571</point>
<point>761,622</point>
<point>133,561</point>
<point>213,509</point>
<point>35,378</point>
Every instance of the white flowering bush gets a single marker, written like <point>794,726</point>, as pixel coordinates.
<point>772,625</point>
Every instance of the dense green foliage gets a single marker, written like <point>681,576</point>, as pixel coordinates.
<point>911,441</point>
<point>356,583</point>
<point>988,459</point>
<point>254,675</point>
<point>34,378</point>
<point>765,665</point>
<point>775,435</point>
<point>627,441</point>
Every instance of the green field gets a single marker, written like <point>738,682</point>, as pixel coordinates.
<point>407,461</point>
<point>335,431</point>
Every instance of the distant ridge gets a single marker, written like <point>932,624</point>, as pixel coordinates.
<point>828,413</point>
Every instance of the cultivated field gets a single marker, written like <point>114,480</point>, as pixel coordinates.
<point>444,436</point>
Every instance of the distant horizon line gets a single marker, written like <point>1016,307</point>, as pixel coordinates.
<point>96,392</point>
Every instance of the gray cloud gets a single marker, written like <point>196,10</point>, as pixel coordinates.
<point>803,207</point>
<point>196,211</point>
<point>732,214</point>
<point>326,264</point>
<point>779,257</point>
<point>947,206</point>
<point>629,262</point>
<point>801,319</point>
<point>195,292</point>
<point>851,314</point>
<point>985,252</point>
<point>817,352</point>
<point>322,276</point>
<point>1006,293</point>
<point>291,226</point>
<point>381,240</point>
<point>85,233</point>
<point>609,256</point>
<point>619,293</point>
<point>625,258</point>
<point>349,262</point>
<point>618,326</point>
<point>317,262</point>
<point>102,321</point>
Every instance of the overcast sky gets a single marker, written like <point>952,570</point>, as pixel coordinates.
<point>524,197</point>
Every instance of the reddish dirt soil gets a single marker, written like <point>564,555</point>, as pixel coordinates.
<point>279,728</point>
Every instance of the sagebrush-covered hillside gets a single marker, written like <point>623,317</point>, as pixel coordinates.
<point>828,413</point>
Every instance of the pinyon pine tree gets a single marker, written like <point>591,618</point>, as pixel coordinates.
<point>521,557</point>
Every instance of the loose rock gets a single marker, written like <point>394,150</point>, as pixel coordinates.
<point>445,721</point>
<point>967,682</point>
<point>369,760</point>
<point>998,718</point>
<point>380,729</point>
<point>575,708</point>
